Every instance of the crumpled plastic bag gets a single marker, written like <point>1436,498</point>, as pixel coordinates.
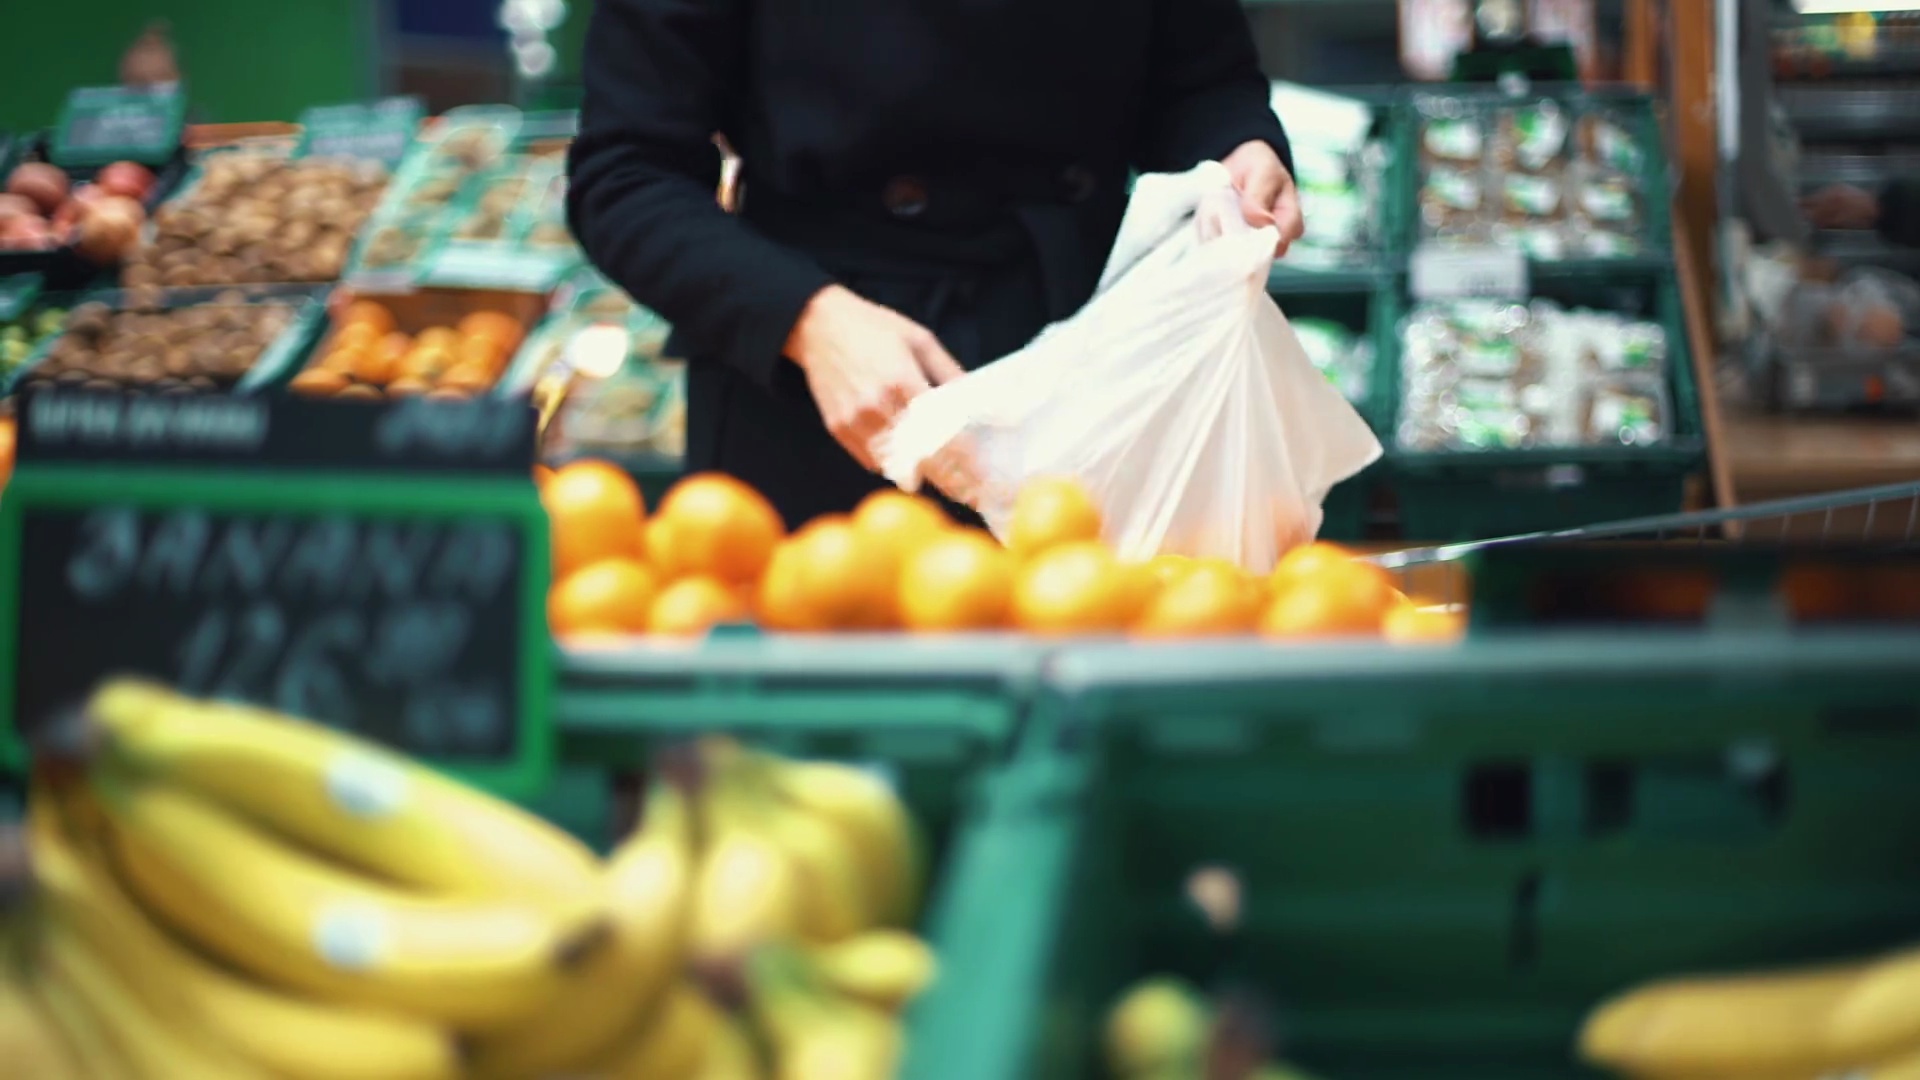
<point>1179,397</point>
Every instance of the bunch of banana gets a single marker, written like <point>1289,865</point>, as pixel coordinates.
<point>1163,1028</point>
<point>1857,1021</point>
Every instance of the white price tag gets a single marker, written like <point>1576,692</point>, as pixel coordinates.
<point>1487,272</point>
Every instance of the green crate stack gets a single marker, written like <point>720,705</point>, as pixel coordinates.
<point>1446,857</point>
<point>1468,495</point>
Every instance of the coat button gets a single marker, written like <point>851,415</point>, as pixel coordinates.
<point>1077,183</point>
<point>905,196</point>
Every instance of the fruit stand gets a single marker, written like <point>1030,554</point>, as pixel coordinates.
<point>374,676</point>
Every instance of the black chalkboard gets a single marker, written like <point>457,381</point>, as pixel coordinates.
<point>367,587</point>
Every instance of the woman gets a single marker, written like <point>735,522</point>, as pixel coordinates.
<point>926,184</point>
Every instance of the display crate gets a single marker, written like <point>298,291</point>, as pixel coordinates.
<point>62,267</point>
<point>1449,495</point>
<point>1387,249</point>
<point>933,713</point>
<point>278,360</point>
<point>1445,857</point>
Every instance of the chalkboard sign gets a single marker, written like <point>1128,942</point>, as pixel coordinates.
<point>376,131</point>
<point>380,584</point>
<point>102,124</point>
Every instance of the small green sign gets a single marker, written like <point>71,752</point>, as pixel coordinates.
<point>462,264</point>
<point>17,294</point>
<point>373,130</point>
<point>102,124</point>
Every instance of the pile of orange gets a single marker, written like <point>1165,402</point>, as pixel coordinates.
<point>367,357</point>
<point>7,437</point>
<point>715,551</point>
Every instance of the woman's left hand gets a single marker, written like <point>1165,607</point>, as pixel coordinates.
<point>1267,192</point>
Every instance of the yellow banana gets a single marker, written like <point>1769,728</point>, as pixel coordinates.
<point>745,893</point>
<point>649,885</point>
<point>292,919</point>
<point>81,1028</point>
<point>154,1049</point>
<point>288,1037</point>
<point>832,896</point>
<point>731,1054</point>
<point>30,1044</point>
<point>1743,1026</point>
<point>886,969</point>
<point>340,795</point>
<point>1879,1015</point>
<point>670,1044</point>
<point>815,1035</point>
<point>868,812</point>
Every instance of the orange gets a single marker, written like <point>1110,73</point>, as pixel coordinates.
<point>541,474</point>
<point>958,580</point>
<point>837,583</point>
<point>1048,512</point>
<point>341,360</point>
<point>318,382</point>
<point>377,366</point>
<point>1408,624</point>
<point>408,386</point>
<point>480,351</point>
<point>355,335</point>
<point>693,605</point>
<point>610,596</point>
<point>895,524</point>
<point>1306,561</point>
<point>1338,601</point>
<point>426,361</point>
<point>713,524</point>
<point>393,348</point>
<point>504,329</point>
<point>438,337</point>
<point>1166,569</point>
<point>1209,599</point>
<point>1073,588</point>
<point>777,600</point>
<point>595,513</point>
<point>368,313</point>
<point>465,376</point>
<point>9,437</point>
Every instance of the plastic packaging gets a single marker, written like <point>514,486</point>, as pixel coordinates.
<point>1179,397</point>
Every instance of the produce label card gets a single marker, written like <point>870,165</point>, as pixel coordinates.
<point>381,569</point>
<point>376,130</point>
<point>17,294</point>
<point>102,124</point>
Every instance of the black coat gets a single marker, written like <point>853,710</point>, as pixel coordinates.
<point>961,161</point>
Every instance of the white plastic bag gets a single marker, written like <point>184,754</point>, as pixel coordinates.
<point>1179,397</point>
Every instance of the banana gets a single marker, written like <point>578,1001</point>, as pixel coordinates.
<point>832,897</point>
<point>649,885</point>
<point>815,1035</point>
<point>731,1054</point>
<point>868,812</point>
<point>1879,1015</point>
<point>670,1044</point>
<point>284,916</point>
<point>886,969</point>
<point>30,1045</point>
<point>152,1048</point>
<point>288,1037</point>
<point>342,796</point>
<point>745,893</point>
<point>1752,1026</point>
<point>80,1027</point>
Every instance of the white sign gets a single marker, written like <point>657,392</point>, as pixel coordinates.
<point>1452,272</point>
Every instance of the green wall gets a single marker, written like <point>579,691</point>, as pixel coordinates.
<point>242,59</point>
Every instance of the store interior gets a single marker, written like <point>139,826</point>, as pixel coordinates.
<point>384,697</point>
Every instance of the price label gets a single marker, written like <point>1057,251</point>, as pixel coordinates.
<point>102,124</point>
<point>375,131</point>
<point>500,266</point>
<point>1487,272</point>
<point>404,604</point>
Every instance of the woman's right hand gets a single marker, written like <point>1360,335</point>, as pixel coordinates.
<point>863,363</point>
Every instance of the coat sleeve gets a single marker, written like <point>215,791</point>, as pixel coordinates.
<point>1206,93</point>
<point>643,175</point>
<point>1900,212</point>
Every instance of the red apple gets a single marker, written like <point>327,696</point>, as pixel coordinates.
<point>45,184</point>
<point>125,178</point>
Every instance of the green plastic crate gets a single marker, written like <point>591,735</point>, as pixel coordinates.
<point>933,713</point>
<point>1447,856</point>
<point>1475,494</point>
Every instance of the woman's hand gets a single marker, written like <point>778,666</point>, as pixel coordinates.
<point>1841,206</point>
<point>864,362</point>
<point>1267,192</point>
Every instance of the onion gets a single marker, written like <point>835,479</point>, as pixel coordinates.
<point>125,178</point>
<point>109,228</point>
<point>45,184</point>
<point>13,206</point>
<point>28,232</point>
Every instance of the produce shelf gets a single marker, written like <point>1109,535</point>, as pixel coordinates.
<point>1445,857</point>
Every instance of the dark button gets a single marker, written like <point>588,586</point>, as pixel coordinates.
<point>905,196</point>
<point>1077,182</point>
